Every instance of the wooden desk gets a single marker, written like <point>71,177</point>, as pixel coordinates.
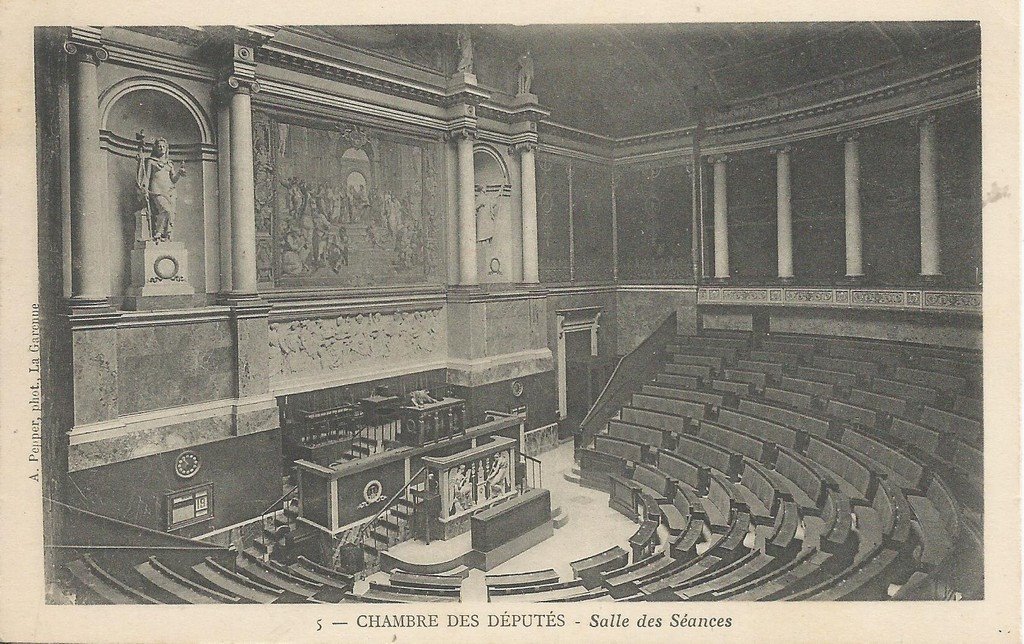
<point>433,422</point>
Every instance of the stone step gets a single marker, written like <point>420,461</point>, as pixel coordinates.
<point>559,518</point>
<point>572,476</point>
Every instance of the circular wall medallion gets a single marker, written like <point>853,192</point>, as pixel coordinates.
<point>187,464</point>
<point>165,267</point>
<point>517,388</point>
<point>373,491</point>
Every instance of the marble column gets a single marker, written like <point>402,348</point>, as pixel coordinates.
<point>784,232</point>
<point>243,196</point>
<point>528,168</point>
<point>854,250</point>
<point>90,236</point>
<point>930,249</point>
<point>721,220</point>
<point>467,208</point>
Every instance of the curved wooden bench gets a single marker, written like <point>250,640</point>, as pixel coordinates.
<point>588,569</point>
<point>532,579</point>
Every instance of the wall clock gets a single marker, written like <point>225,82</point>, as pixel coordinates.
<point>187,464</point>
<point>517,388</point>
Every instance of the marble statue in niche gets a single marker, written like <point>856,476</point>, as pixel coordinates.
<point>156,180</point>
<point>159,265</point>
<point>524,77</point>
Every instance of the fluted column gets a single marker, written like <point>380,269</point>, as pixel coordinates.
<point>854,250</point>
<point>784,232</point>
<point>467,207</point>
<point>243,197</point>
<point>930,245</point>
<point>721,220</point>
<point>528,169</point>
<point>90,273</point>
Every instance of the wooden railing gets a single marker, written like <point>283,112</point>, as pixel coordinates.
<point>632,370</point>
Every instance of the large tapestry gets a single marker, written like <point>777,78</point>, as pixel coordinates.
<point>345,206</point>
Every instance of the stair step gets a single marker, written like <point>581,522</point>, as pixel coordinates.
<point>559,518</point>
<point>572,477</point>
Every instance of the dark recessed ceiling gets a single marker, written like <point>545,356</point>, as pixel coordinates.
<point>619,80</point>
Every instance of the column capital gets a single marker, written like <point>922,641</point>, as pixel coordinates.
<point>236,85</point>
<point>85,44</point>
<point>845,137</point>
<point>921,120</point>
<point>715,159</point>
<point>523,146</point>
<point>459,133</point>
<point>781,149</point>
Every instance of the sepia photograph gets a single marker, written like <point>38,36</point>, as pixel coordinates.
<point>469,313</point>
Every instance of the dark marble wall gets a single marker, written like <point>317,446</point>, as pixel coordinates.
<point>654,216</point>
<point>890,202</point>
<point>539,396</point>
<point>960,192</point>
<point>182,364</point>
<point>819,238</point>
<point>553,218</point>
<point>592,221</point>
<point>245,472</point>
<point>751,191</point>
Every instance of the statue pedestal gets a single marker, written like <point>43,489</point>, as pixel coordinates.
<point>525,99</point>
<point>159,276</point>
<point>459,79</point>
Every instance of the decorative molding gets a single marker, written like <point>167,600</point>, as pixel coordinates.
<point>846,298</point>
<point>483,371</point>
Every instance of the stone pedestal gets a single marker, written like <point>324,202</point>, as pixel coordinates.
<point>159,270</point>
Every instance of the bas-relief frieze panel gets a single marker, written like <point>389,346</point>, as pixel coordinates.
<point>345,206</point>
<point>355,342</point>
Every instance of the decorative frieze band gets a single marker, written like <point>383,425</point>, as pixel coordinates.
<point>897,299</point>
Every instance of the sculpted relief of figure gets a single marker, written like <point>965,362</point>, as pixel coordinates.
<point>524,78</point>
<point>156,180</point>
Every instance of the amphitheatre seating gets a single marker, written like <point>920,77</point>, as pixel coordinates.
<point>849,469</point>
<point>762,429</point>
<point>807,562</point>
<point>588,570</point>
<point>808,386</point>
<point>891,405</point>
<point>911,393</point>
<point>891,461</point>
<point>782,416</point>
<point>880,441</point>
<point>964,428</point>
<point>851,413</point>
<point>841,378</point>
<point>699,372</point>
<point>676,406</point>
<point>766,367</point>
<point>793,399</point>
<point>940,381</point>
<point>101,587</point>
<point>562,591</point>
<point>521,580</point>
<point>790,360</point>
<point>635,433</point>
<point>710,400</point>
<point>181,587</point>
<point>676,380</point>
<point>968,407</point>
<point>731,387</point>
<point>408,594</point>
<point>654,419</point>
<point>425,581</point>
<point>734,441</point>
<point>314,572</point>
<point>756,379</point>
<point>231,582</point>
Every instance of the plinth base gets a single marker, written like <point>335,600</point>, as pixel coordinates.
<point>160,269</point>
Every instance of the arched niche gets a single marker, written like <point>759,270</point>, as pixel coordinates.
<point>499,247</point>
<point>151,108</point>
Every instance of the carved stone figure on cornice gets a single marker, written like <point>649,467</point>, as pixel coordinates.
<point>156,180</point>
<point>524,78</point>
<point>465,41</point>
